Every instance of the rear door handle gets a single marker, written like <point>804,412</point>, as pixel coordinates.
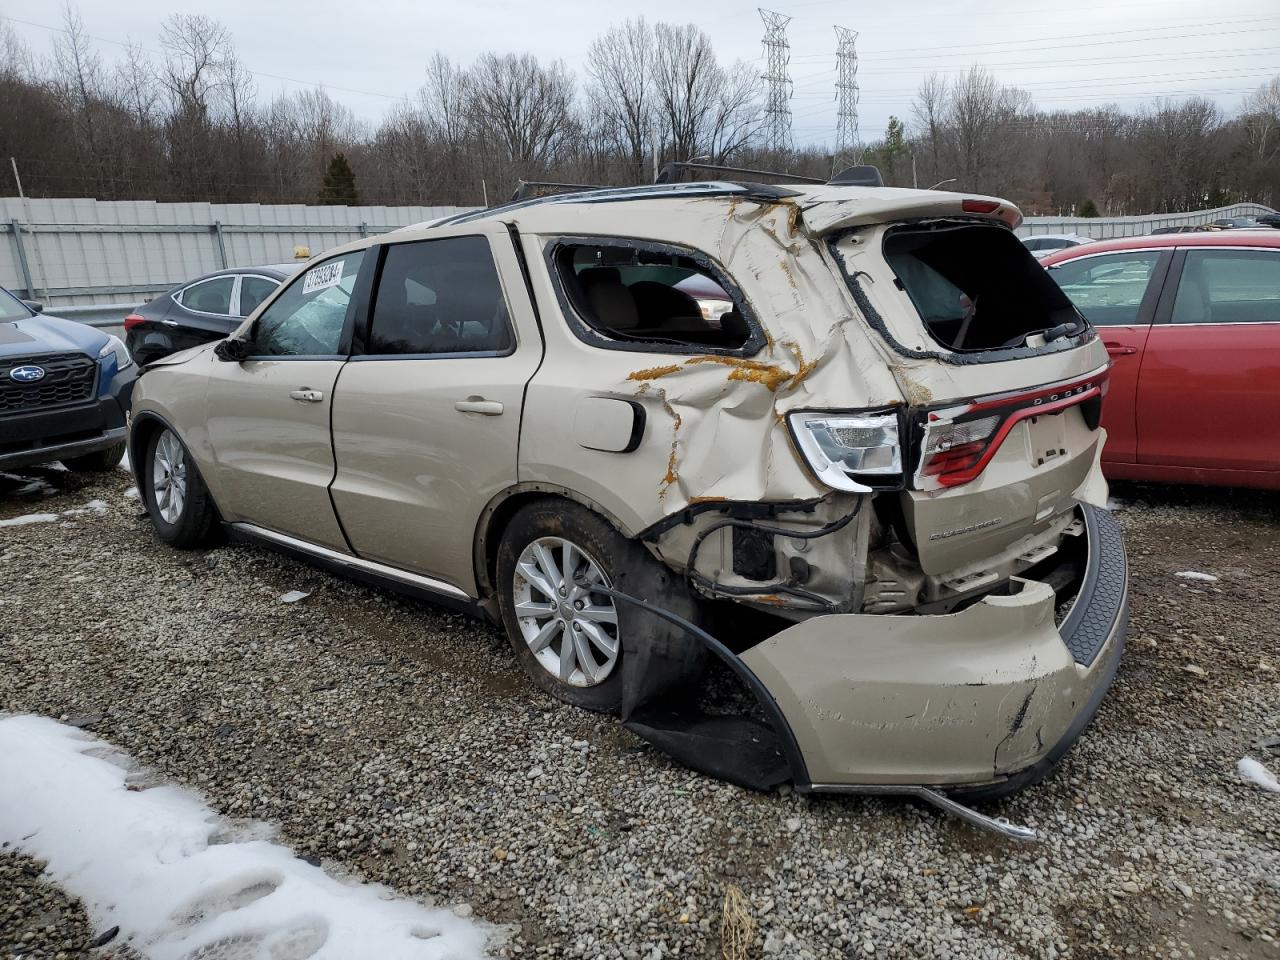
<point>487,408</point>
<point>170,323</point>
<point>1118,349</point>
<point>307,396</point>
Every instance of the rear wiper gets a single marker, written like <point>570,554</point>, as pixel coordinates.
<point>1062,330</point>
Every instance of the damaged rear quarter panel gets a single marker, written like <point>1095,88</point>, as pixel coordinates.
<point>715,421</point>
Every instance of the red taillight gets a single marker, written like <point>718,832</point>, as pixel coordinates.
<point>980,206</point>
<point>959,442</point>
<point>133,320</point>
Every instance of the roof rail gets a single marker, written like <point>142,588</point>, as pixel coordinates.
<point>525,189</point>
<point>672,171</point>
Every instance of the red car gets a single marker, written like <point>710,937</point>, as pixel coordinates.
<point>1192,324</point>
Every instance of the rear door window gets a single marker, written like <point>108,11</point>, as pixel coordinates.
<point>209,296</point>
<point>651,297</point>
<point>253,290</point>
<point>1109,288</point>
<point>440,297</point>
<point>1229,286</point>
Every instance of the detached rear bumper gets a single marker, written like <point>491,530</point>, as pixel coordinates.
<point>982,702</point>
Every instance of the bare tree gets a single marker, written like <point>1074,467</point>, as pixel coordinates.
<point>980,110</point>
<point>621,64</point>
<point>196,49</point>
<point>929,110</point>
<point>702,107</point>
<point>78,83</point>
<point>1261,117</point>
<point>15,58</point>
<point>524,108</point>
<point>443,100</point>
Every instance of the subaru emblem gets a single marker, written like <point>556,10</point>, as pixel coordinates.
<point>28,374</point>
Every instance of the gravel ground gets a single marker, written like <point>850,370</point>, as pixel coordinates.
<point>399,743</point>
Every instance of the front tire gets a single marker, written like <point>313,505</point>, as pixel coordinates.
<point>581,646</point>
<point>100,461</point>
<point>181,509</point>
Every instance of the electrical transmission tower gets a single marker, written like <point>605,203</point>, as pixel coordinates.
<point>777,105</point>
<point>848,142</point>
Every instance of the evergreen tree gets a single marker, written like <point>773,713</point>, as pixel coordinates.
<point>339,186</point>
<point>1089,209</point>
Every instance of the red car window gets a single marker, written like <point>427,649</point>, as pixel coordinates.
<point>1229,286</point>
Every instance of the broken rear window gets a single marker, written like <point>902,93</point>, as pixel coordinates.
<point>977,288</point>
<point>652,297</point>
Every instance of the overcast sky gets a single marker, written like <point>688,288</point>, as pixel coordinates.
<point>1067,53</point>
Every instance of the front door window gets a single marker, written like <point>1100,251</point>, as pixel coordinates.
<point>308,319</point>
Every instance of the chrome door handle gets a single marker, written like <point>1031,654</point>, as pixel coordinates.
<point>1118,349</point>
<point>170,323</point>
<point>487,408</point>
<point>307,396</point>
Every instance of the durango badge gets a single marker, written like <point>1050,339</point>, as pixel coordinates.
<point>27,374</point>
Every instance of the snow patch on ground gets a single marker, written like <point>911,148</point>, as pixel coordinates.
<point>1255,772</point>
<point>181,883</point>
<point>124,463</point>
<point>29,518</point>
<point>293,596</point>
<point>95,507</point>
<point>1196,575</point>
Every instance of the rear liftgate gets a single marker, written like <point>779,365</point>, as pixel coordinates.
<point>877,720</point>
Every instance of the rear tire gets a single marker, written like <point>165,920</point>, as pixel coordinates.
<point>181,509</point>
<point>100,461</point>
<point>619,655</point>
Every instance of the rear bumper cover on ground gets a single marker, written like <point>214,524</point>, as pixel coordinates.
<point>982,702</point>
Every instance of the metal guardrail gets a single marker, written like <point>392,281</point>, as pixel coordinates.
<point>97,314</point>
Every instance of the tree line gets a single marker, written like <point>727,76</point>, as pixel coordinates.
<point>188,123</point>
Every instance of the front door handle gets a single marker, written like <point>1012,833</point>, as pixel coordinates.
<point>1118,349</point>
<point>170,323</point>
<point>307,396</point>
<point>487,408</point>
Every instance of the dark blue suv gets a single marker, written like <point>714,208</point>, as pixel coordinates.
<point>64,390</point>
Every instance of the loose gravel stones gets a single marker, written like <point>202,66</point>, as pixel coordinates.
<point>399,743</point>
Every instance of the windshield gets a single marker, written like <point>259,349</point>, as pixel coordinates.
<point>11,308</point>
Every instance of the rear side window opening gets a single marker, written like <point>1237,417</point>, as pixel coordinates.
<point>652,297</point>
<point>977,288</point>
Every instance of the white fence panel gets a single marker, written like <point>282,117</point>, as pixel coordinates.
<point>78,253</point>
<point>1102,228</point>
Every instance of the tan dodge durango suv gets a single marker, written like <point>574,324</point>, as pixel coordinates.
<point>844,439</point>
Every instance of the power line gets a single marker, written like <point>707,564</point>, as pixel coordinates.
<point>952,50</point>
<point>1049,86</point>
<point>821,78</point>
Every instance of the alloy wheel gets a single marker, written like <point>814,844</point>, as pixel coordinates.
<point>571,629</point>
<point>169,477</point>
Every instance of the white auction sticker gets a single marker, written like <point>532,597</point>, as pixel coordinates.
<point>326,275</point>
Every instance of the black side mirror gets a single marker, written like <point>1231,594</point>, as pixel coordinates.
<point>34,306</point>
<point>231,350</point>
